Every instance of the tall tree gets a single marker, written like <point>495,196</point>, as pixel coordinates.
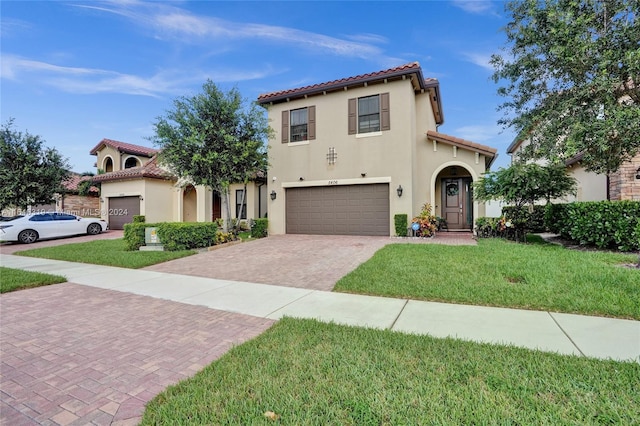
<point>213,139</point>
<point>571,73</point>
<point>30,173</point>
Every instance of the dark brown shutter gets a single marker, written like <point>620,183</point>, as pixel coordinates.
<point>285,126</point>
<point>385,120</point>
<point>312,123</point>
<point>352,117</point>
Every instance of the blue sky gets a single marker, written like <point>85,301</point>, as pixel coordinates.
<point>75,72</point>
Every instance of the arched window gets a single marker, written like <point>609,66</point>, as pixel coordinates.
<point>108,165</point>
<point>131,162</point>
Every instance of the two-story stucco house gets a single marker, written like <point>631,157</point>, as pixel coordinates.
<point>349,154</point>
<point>135,184</point>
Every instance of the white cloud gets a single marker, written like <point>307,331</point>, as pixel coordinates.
<point>171,21</point>
<point>90,81</point>
<point>480,59</point>
<point>481,7</point>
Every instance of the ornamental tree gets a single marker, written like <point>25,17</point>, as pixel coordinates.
<point>524,184</point>
<point>213,139</point>
<point>30,173</point>
<point>571,74</point>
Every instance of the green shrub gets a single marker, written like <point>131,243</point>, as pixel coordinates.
<point>490,227</point>
<point>428,222</point>
<point>139,218</point>
<point>259,228</point>
<point>400,221</point>
<point>603,224</point>
<point>555,218</point>
<point>177,235</point>
<point>529,221</point>
<point>134,234</point>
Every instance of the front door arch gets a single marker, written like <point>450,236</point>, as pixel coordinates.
<point>451,192</point>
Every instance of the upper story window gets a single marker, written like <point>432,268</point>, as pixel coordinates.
<point>369,114</point>
<point>131,162</point>
<point>299,125</point>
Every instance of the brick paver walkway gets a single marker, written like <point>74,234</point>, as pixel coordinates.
<point>71,354</point>
<point>307,261</point>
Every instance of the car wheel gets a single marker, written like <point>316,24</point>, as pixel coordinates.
<point>28,236</point>
<point>94,229</point>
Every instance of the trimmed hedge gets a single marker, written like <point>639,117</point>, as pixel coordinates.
<point>603,224</point>
<point>400,222</point>
<point>522,218</point>
<point>176,235</point>
<point>259,228</point>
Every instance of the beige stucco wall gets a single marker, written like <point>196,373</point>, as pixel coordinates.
<point>157,197</point>
<point>590,186</point>
<point>401,156</point>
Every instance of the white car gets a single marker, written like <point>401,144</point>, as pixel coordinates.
<point>30,228</point>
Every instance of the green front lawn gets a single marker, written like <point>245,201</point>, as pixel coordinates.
<point>501,273</point>
<point>105,252</point>
<point>15,279</point>
<point>308,373</point>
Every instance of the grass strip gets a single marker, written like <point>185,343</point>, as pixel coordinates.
<point>105,252</point>
<point>502,273</point>
<point>302,372</point>
<point>16,279</point>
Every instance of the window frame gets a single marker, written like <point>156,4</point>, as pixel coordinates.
<point>241,210</point>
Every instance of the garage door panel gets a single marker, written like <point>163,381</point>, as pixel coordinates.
<point>338,210</point>
<point>122,210</point>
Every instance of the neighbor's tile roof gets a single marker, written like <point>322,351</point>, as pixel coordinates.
<point>462,143</point>
<point>129,148</point>
<point>71,184</point>
<point>150,170</point>
<point>406,69</point>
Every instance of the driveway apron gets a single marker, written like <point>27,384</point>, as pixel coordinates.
<point>314,262</point>
<point>72,354</point>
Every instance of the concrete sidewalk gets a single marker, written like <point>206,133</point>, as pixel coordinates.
<point>569,334</point>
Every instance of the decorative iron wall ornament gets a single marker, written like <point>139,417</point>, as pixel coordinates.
<point>332,156</point>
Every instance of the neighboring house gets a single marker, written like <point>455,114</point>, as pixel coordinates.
<point>150,190</point>
<point>347,155</point>
<point>70,201</point>
<point>621,185</point>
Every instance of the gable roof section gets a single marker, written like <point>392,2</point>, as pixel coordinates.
<point>485,150</point>
<point>150,170</point>
<point>412,71</point>
<point>128,148</point>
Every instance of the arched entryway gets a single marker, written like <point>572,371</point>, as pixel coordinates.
<point>453,196</point>
<point>189,204</point>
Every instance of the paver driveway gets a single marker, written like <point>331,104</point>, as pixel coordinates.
<point>72,354</point>
<point>308,261</point>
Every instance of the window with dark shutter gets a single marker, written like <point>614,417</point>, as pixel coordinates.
<point>385,119</point>
<point>312,122</point>
<point>285,126</point>
<point>352,116</point>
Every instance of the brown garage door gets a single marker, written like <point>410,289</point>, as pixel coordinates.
<point>338,210</point>
<point>122,210</point>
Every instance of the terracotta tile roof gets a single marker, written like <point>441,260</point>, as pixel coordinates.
<point>406,69</point>
<point>128,148</point>
<point>150,170</point>
<point>71,184</point>
<point>462,143</point>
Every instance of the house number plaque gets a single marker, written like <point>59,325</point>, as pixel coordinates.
<point>333,182</point>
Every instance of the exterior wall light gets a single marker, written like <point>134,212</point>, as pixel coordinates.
<point>638,173</point>
<point>399,190</point>
<point>273,195</point>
